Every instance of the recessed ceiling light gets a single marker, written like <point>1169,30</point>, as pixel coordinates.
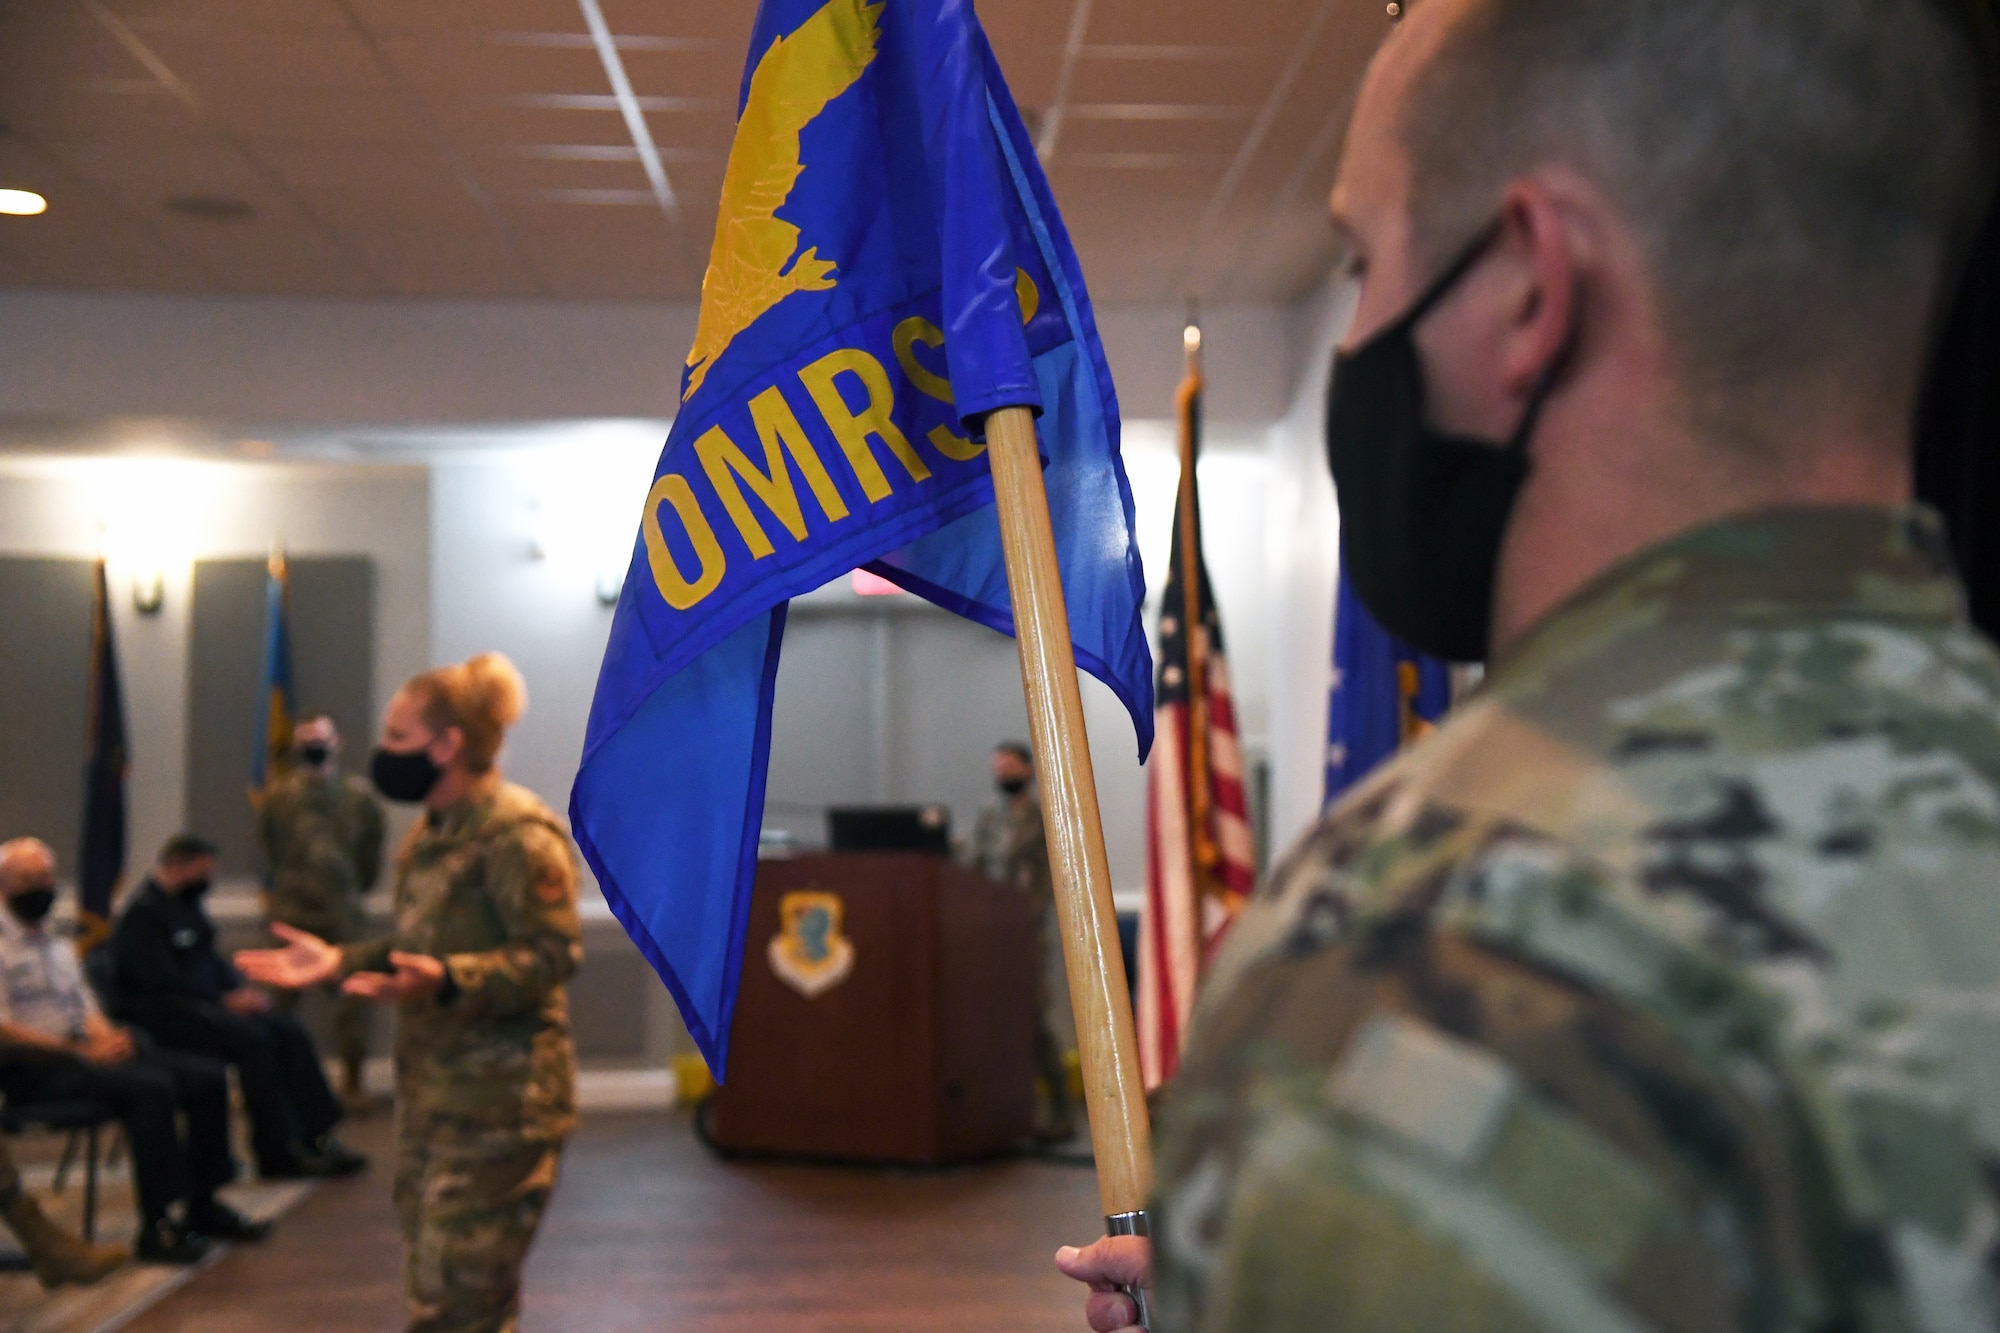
<point>212,207</point>
<point>22,203</point>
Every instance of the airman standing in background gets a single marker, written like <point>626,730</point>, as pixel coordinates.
<point>322,839</point>
<point>1010,845</point>
<point>486,934</point>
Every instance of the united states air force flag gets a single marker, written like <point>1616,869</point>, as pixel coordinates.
<point>888,267</point>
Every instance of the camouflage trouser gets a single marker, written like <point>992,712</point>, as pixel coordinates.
<point>350,1021</point>
<point>469,1213</point>
<point>10,1178</point>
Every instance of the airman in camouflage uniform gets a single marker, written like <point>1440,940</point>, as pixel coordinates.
<point>485,1069</point>
<point>322,839</point>
<point>1010,845</point>
<point>1660,990</point>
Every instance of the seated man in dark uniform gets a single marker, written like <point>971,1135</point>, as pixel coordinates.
<point>171,982</point>
<point>59,1047</point>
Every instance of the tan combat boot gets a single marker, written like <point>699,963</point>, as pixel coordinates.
<point>56,1256</point>
<point>354,1098</point>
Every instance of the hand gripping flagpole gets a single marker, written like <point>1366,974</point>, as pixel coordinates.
<point>1120,1133</point>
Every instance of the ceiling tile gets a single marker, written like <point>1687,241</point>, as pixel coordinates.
<point>729,21</point>
<point>48,251</point>
<point>210,58</point>
<point>417,136</point>
<point>460,64</point>
<point>443,259</point>
<point>240,15</point>
<point>466,17</point>
<point>277,113</point>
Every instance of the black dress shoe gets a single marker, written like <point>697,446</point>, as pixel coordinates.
<point>218,1221</point>
<point>167,1243</point>
<point>331,1157</point>
<point>286,1168</point>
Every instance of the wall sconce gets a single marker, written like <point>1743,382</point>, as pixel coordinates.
<point>149,590</point>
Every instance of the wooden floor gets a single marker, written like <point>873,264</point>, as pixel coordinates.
<point>650,1232</point>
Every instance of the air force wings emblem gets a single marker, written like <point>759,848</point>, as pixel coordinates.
<point>747,274</point>
<point>809,953</point>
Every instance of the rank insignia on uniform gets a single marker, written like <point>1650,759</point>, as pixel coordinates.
<point>809,953</point>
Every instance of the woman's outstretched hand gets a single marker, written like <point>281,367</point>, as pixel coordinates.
<point>305,960</point>
<point>417,976</point>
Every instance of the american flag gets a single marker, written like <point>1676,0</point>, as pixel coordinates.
<point>1200,857</point>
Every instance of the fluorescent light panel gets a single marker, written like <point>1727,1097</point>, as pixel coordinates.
<point>628,106</point>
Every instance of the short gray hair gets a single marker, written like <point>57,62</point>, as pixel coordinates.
<point>1800,172</point>
<point>17,853</point>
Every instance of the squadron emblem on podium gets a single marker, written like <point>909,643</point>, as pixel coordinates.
<point>809,953</point>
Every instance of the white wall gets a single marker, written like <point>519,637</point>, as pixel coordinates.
<point>520,538</point>
<point>249,364</point>
<point>174,512</point>
<point>1302,535</point>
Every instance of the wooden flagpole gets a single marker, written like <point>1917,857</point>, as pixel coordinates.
<point>1120,1132</point>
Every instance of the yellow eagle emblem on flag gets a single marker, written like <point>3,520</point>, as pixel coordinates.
<point>747,267</point>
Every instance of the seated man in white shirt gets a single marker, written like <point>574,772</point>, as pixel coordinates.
<point>56,1045</point>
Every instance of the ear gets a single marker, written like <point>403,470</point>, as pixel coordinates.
<point>1537,234</point>
<point>446,746</point>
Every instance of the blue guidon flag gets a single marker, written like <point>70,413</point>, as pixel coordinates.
<point>1385,693</point>
<point>888,268</point>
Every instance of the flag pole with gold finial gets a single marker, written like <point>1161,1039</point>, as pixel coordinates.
<point>1203,853</point>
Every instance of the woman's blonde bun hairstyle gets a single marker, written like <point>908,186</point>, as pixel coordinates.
<point>481,696</point>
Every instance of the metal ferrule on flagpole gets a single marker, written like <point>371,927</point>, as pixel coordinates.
<point>1133,1224</point>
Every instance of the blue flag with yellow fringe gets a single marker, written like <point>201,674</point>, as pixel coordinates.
<point>274,688</point>
<point>1384,694</point>
<point>888,268</point>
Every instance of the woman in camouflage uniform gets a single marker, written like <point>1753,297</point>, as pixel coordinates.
<point>486,935</point>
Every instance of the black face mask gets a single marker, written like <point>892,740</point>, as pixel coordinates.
<point>194,889</point>
<point>1011,786</point>
<point>315,753</point>
<point>1422,513</point>
<point>403,775</point>
<point>31,906</point>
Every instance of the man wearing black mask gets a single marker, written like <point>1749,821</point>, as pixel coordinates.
<point>322,837</point>
<point>1010,845</point>
<point>170,981</point>
<point>1655,989</point>
<point>59,1047</point>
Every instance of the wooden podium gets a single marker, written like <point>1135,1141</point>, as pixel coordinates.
<point>887,1013</point>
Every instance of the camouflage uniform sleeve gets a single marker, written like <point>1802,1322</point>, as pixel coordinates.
<point>1042,879</point>
<point>267,829</point>
<point>366,956</point>
<point>368,842</point>
<point>532,879</point>
<point>1407,1128</point>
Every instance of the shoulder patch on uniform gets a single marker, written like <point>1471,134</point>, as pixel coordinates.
<point>1428,1089</point>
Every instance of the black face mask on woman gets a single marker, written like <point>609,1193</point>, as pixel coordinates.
<point>1422,513</point>
<point>403,775</point>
